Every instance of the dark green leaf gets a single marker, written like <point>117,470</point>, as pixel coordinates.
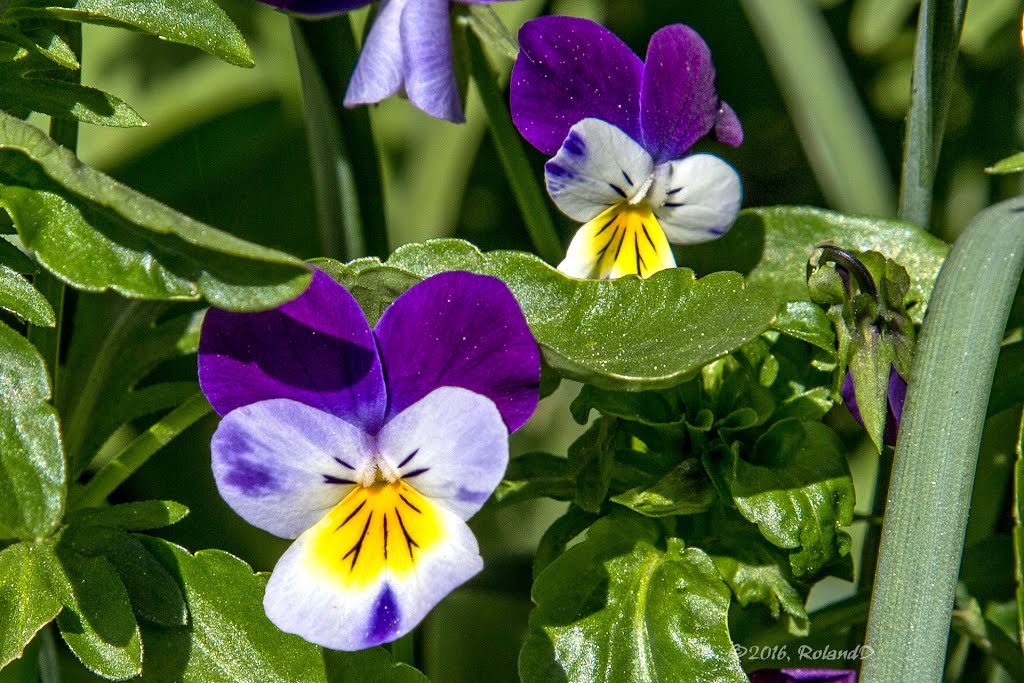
<point>617,608</point>
<point>591,457</point>
<point>616,334</point>
<point>198,23</point>
<point>26,602</point>
<point>1008,383</point>
<point>374,664</point>
<point>153,592</point>
<point>62,99</point>
<point>13,258</point>
<point>557,536</point>
<point>32,471</point>
<point>24,300</point>
<point>98,234</point>
<point>646,407</point>
<point>798,490</point>
<point>807,322</point>
<point>138,516</point>
<point>1018,530</point>
<point>536,475</point>
<point>686,490</point>
<point>772,245</point>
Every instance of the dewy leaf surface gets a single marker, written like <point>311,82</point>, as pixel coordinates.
<point>198,23</point>
<point>617,608</point>
<point>616,334</point>
<point>32,470</point>
<point>26,602</point>
<point>97,234</point>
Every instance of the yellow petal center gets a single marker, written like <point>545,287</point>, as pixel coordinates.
<point>627,240</point>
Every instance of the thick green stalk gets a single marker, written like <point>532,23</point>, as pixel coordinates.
<point>531,200</point>
<point>938,43</point>
<point>936,456</point>
<point>141,449</point>
<point>343,154</point>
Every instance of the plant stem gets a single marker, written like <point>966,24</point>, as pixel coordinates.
<point>135,454</point>
<point>938,43</point>
<point>343,154</point>
<point>937,450</point>
<point>532,203</point>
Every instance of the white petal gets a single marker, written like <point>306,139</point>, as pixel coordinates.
<point>597,167</point>
<point>282,465</point>
<point>451,446</point>
<point>696,199</point>
<point>367,573</point>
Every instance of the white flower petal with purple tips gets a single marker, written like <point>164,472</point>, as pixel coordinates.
<point>696,199</point>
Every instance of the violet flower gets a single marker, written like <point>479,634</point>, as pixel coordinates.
<point>621,131</point>
<point>408,51</point>
<point>803,676</point>
<point>371,447</point>
<point>895,397</point>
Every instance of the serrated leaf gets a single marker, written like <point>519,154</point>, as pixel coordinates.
<point>591,458</point>
<point>26,602</point>
<point>199,23</point>
<point>65,100</point>
<point>32,470</point>
<point>617,608</point>
<point>22,299</point>
<point>772,246</point>
<point>98,234</point>
<point>685,490</point>
<point>616,334</point>
<point>536,475</point>
<point>797,488</point>
<point>135,516</point>
<point>1012,164</point>
<point>230,639</point>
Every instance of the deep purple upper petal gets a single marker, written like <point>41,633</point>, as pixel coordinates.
<point>803,676</point>
<point>678,102</point>
<point>460,330</point>
<point>316,6</point>
<point>568,70</point>
<point>317,349</point>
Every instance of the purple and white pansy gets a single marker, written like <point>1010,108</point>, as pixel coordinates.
<point>371,447</point>
<point>407,52</point>
<point>620,131</point>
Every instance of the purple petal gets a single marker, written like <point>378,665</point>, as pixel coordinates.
<point>427,59</point>
<point>727,127</point>
<point>378,73</point>
<point>317,350</point>
<point>312,7</point>
<point>897,395</point>
<point>849,394</point>
<point>803,676</point>
<point>568,70</point>
<point>678,101</point>
<point>460,330</point>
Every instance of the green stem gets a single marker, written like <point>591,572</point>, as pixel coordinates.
<point>531,200</point>
<point>938,43</point>
<point>937,451</point>
<point>343,154</point>
<point>135,454</point>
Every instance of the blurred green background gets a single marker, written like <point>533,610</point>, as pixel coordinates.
<point>822,105</point>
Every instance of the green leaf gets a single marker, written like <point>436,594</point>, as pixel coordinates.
<point>875,23</point>
<point>591,457</point>
<point>686,490</point>
<point>557,536</point>
<point>98,234</point>
<point>198,23</point>
<point>615,334</point>
<point>24,300</point>
<point>772,245</point>
<point>13,258</point>
<point>536,475</point>
<point>798,490</point>
<point>137,516</point>
<point>229,638</point>
<point>32,470</point>
<point>44,41</point>
<point>26,602</point>
<point>65,100</point>
<point>807,322</point>
<point>618,608</point>
<point>656,409</point>
<point>152,591</point>
<point>1012,164</point>
<point>1018,531</point>
<point>491,31</point>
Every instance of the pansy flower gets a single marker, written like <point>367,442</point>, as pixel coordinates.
<point>803,676</point>
<point>371,447</point>
<point>408,51</point>
<point>620,131</point>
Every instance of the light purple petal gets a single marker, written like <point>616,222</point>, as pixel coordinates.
<point>728,129</point>
<point>678,101</point>
<point>451,446</point>
<point>427,59</point>
<point>568,70</point>
<point>317,349</point>
<point>378,73</point>
<point>316,7</point>
<point>282,465</point>
<point>803,676</point>
<point>460,330</point>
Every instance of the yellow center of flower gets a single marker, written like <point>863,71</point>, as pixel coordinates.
<point>384,526</point>
<point>627,240</point>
